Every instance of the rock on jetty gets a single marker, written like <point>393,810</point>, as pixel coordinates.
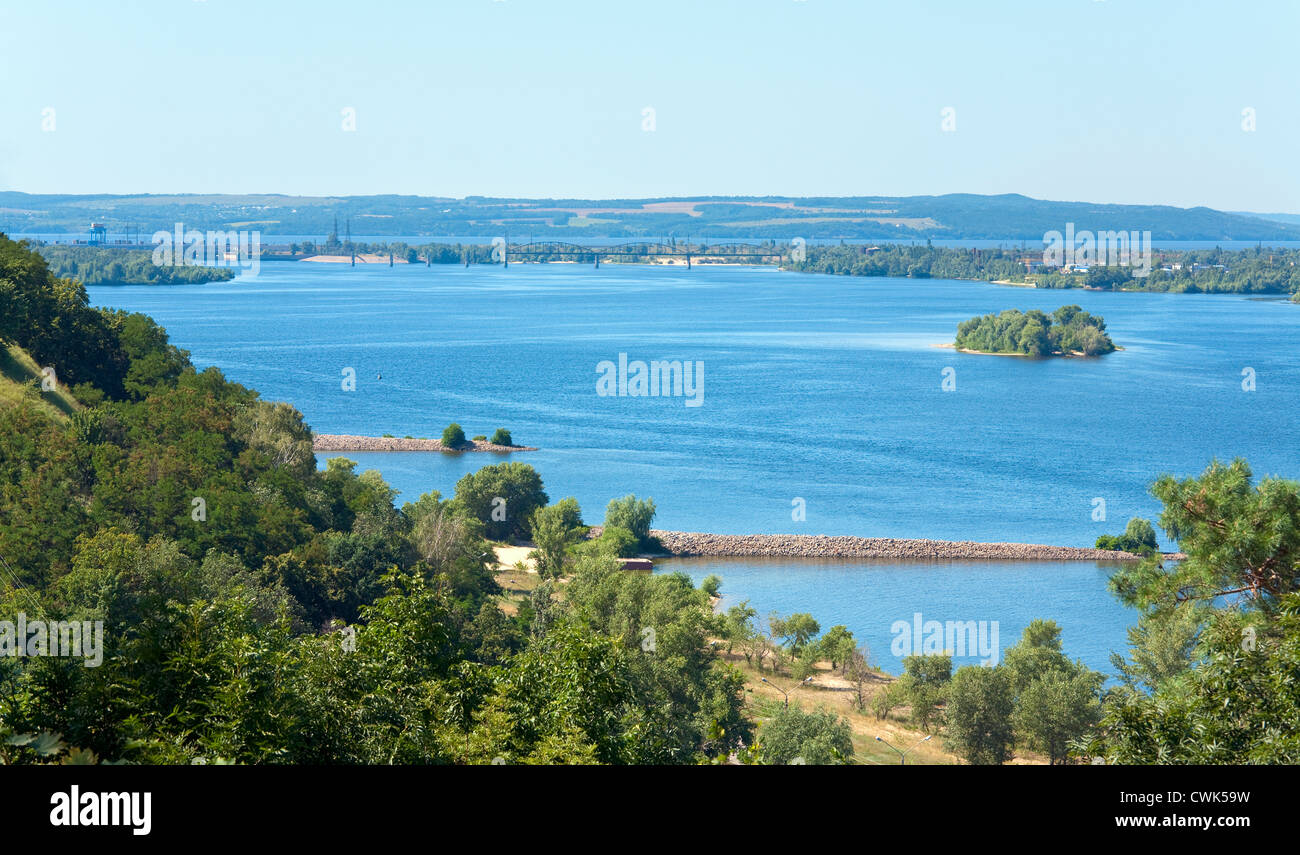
<point>347,442</point>
<point>834,546</point>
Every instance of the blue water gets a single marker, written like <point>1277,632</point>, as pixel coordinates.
<point>869,597</point>
<point>826,389</point>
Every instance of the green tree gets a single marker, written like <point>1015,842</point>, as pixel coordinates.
<point>553,534</point>
<point>838,646</point>
<point>818,738</point>
<point>1057,700</point>
<point>1058,708</point>
<point>796,631</point>
<point>633,514</point>
<point>924,686</point>
<point>1240,540</point>
<point>1161,647</point>
<point>979,715</point>
<point>1239,705</point>
<point>502,497</point>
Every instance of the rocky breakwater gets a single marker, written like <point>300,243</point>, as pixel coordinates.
<point>835,546</point>
<point>347,442</point>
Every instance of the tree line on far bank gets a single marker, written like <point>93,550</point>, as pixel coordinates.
<point>1263,270</point>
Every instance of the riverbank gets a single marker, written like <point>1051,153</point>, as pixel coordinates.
<point>348,442</point>
<point>685,543</point>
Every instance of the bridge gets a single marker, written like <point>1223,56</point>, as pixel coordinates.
<point>700,254</point>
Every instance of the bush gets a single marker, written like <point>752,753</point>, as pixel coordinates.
<point>617,541</point>
<point>885,699</point>
<point>501,436</point>
<point>711,584</point>
<point>480,438</point>
<point>1139,537</point>
<point>453,436</point>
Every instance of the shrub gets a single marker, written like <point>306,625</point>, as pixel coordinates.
<point>501,436</point>
<point>1139,537</point>
<point>453,436</point>
<point>613,541</point>
<point>617,541</point>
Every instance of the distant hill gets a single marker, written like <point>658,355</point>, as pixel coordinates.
<point>1292,219</point>
<point>953,216</point>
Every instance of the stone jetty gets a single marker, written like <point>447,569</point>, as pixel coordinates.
<point>833,546</point>
<point>347,442</point>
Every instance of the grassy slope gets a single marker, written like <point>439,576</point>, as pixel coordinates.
<point>20,378</point>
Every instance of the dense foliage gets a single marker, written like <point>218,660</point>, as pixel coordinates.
<point>94,265</point>
<point>257,609</point>
<point>1258,270</point>
<point>1068,330</point>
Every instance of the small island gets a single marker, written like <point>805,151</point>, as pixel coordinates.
<point>1069,331</point>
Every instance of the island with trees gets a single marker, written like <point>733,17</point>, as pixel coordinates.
<point>1069,331</point>
<point>94,265</point>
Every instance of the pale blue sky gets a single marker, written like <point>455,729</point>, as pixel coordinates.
<point>1134,101</point>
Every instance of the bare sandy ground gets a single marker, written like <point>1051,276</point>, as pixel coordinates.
<point>509,556</point>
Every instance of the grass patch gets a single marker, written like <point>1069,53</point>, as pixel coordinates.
<point>20,378</point>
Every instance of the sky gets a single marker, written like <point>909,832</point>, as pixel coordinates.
<point>1125,101</point>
